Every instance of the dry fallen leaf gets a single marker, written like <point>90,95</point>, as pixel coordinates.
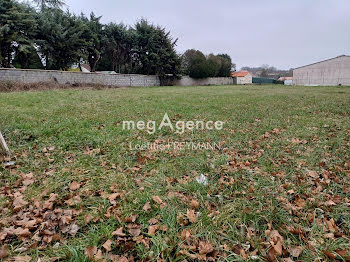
<point>130,219</point>
<point>205,247</point>
<point>28,179</point>
<point>152,229</point>
<point>113,197</point>
<point>276,241</point>
<point>119,232</point>
<point>22,259</point>
<point>3,252</point>
<point>21,232</point>
<point>90,252</point>
<point>194,204</point>
<point>239,250</point>
<point>191,215</point>
<point>147,207</point>
<point>88,218</point>
<point>295,251</point>
<point>313,174</point>
<point>107,245</point>
<point>74,186</point>
<point>135,232</point>
<point>157,199</point>
<point>18,202</point>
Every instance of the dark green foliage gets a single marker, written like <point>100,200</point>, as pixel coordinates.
<point>94,38</point>
<point>60,38</point>
<point>28,60</point>
<point>117,54</point>
<point>49,3</point>
<point>197,65</point>
<point>226,65</point>
<point>154,50</point>
<point>17,28</point>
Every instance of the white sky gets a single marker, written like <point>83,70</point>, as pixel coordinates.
<point>282,33</point>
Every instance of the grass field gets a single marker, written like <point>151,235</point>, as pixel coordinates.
<point>277,189</point>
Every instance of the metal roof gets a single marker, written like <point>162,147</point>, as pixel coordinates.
<point>322,61</point>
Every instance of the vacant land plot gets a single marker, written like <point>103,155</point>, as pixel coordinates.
<point>276,188</point>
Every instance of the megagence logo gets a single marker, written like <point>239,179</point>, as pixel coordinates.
<point>178,127</point>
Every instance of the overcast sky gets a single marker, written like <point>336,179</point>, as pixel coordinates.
<point>281,33</point>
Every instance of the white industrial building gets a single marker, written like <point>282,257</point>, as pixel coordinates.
<point>331,72</point>
<point>242,78</point>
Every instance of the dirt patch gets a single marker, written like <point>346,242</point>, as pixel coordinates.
<point>11,86</point>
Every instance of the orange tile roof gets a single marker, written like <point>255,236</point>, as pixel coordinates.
<point>239,74</point>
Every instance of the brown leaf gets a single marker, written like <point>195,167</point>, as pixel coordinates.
<point>4,252</point>
<point>205,247</point>
<point>194,204</point>
<point>107,245</point>
<point>74,186</point>
<point>147,207</point>
<point>130,219</point>
<point>185,234</point>
<point>330,203</point>
<point>296,251</point>
<point>152,229</point>
<point>48,204</point>
<point>239,250</point>
<point>191,215</point>
<point>153,221</point>
<point>119,232</point>
<point>21,232</point>
<point>90,252</point>
<point>22,259</point>
<point>88,218</point>
<point>18,202</point>
<point>28,179</point>
<point>113,197</point>
<point>135,232</point>
<point>329,254</point>
<point>299,202</point>
<point>157,199</point>
<point>312,174</point>
<point>276,241</point>
<point>74,229</point>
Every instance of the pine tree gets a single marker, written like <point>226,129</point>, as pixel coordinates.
<point>60,38</point>
<point>49,3</point>
<point>17,29</point>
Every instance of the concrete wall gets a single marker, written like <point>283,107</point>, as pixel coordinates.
<point>246,80</point>
<point>331,72</point>
<point>34,76</point>
<point>188,81</point>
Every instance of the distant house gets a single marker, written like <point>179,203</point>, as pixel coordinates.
<point>242,78</point>
<point>331,72</point>
<point>287,80</point>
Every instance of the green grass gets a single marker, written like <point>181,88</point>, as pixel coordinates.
<point>273,136</point>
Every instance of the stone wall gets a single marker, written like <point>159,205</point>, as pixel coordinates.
<point>35,76</point>
<point>188,81</point>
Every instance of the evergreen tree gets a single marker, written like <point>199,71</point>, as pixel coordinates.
<point>154,50</point>
<point>226,65</point>
<point>95,39</point>
<point>60,38</point>
<point>17,29</point>
<point>49,4</point>
<point>117,52</point>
